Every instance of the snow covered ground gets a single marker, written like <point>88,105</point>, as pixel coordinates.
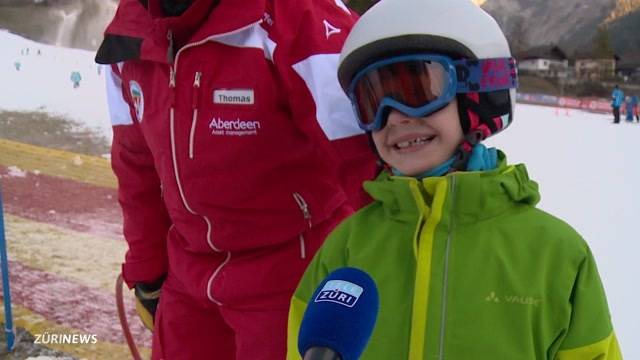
<point>43,82</point>
<point>588,169</point>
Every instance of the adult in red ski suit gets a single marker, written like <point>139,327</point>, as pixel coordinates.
<point>236,153</point>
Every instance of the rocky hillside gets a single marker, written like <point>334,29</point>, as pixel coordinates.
<point>625,36</point>
<point>573,24</point>
<point>623,8</point>
<point>69,23</point>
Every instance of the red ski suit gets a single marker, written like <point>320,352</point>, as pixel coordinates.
<point>236,152</point>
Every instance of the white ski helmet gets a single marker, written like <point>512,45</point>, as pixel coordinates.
<point>456,28</point>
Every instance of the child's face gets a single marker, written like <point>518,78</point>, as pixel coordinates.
<point>416,145</point>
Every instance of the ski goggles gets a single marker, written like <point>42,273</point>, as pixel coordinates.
<point>421,84</point>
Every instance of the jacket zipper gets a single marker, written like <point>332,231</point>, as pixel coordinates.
<point>445,279</point>
<point>172,84</point>
<point>194,106</point>
<point>302,204</point>
<point>170,47</point>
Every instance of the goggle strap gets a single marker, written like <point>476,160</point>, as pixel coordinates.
<point>486,75</point>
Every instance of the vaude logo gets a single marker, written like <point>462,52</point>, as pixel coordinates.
<point>513,299</point>
<point>236,127</point>
<point>340,292</point>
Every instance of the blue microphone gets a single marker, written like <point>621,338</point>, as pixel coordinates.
<point>340,316</point>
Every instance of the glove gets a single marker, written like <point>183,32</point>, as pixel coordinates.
<point>147,297</point>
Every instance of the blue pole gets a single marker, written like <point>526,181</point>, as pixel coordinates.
<point>4,264</point>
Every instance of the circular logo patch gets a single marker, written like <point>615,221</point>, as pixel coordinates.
<point>138,98</point>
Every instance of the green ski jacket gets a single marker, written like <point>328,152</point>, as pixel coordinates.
<point>467,269</point>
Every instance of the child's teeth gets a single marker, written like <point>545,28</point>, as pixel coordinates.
<point>404,144</point>
<point>414,142</point>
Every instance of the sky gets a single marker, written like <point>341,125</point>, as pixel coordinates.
<point>588,169</point>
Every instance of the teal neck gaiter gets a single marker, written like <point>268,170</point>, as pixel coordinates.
<point>480,159</point>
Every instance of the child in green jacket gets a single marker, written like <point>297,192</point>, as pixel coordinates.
<point>466,266</point>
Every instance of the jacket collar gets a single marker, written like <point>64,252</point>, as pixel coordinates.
<point>137,32</point>
<point>183,26</point>
<point>473,195</point>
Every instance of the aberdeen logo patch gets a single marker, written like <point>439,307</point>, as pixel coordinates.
<point>340,292</point>
<point>237,127</point>
<point>138,99</point>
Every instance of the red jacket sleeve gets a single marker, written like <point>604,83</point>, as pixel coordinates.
<point>307,56</point>
<point>145,217</point>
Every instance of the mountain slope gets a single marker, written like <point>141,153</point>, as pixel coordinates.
<point>625,35</point>
<point>573,24</point>
<point>68,23</point>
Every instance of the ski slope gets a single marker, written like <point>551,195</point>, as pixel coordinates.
<point>43,82</point>
<point>588,169</point>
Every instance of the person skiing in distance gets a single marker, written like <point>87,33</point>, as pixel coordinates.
<point>75,78</point>
<point>465,264</point>
<point>617,98</point>
<point>628,102</point>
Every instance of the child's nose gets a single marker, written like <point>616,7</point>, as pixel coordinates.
<point>398,118</point>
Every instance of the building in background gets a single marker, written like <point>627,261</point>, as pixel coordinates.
<point>546,61</point>
<point>596,69</point>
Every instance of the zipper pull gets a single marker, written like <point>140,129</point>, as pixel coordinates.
<point>170,48</point>
<point>172,86</point>
<point>172,77</point>
<point>304,207</point>
<point>194,106</point>
<point>196,86</point>
<point>196,81</point>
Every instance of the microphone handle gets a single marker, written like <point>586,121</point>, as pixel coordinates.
<point>321,353</point>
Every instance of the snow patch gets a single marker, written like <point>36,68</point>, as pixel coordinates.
<point>15,171</point>
<point>40,80</point>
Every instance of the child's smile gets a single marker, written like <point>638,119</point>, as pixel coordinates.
<point>415,145</point>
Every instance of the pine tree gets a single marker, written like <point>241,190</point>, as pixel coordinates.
<point>602,44</point>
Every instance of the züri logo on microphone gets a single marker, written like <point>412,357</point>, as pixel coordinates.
<point>340,292</point>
